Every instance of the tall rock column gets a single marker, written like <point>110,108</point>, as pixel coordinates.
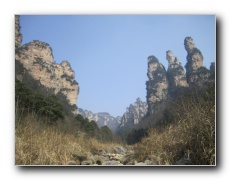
<point>175,73</point>
<point>196,73</point>
<point>156,86</point>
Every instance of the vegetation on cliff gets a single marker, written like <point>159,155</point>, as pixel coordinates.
<point>185,133</point>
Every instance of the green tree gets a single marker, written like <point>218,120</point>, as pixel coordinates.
<point>48,107</point>
<point>105,134</point>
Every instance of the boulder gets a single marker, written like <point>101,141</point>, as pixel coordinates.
<point>120,150</point>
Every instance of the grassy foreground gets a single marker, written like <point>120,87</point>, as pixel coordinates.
<point>187,133</point>
<point>190,135</point>
<point>37,143</point>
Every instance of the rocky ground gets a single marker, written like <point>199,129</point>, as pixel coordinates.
<point>115,156</point>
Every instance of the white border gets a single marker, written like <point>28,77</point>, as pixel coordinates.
<point>11,7</point>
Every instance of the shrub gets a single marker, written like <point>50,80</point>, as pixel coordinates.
<point>105,134</point>
<point>191,134</point>
<point>90,128</point>
<point>47,107</point>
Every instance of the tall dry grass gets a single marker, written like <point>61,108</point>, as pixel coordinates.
<point>37,143</point>
<point>190,136</point>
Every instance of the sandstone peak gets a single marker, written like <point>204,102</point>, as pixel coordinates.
<point>157,85</point>
<point>37,59</point>
<point>170,57</point>
<point>152,59</point>
<point>196,73</point>
<point>172,60</point>
<point>154,67</point>
<point>189,44</point>
<point>38,50</point>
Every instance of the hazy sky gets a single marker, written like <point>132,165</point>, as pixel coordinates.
<point>109,52</point>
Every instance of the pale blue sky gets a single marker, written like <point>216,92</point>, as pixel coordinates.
<point>109,52</point>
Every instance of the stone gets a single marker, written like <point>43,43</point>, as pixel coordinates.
<point>120,149</point>
<point>100,160</point>
<point>116,157</point>
<point>128,159</point>
<point>72,163</point>
<point>87,162</point>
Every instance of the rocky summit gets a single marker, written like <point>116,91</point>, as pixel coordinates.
<point>37,59</point>
<point>196,73</point>
<point>157,85</point>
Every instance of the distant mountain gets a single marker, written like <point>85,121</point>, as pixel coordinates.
<point>134,113</point>
<point>101,118</point>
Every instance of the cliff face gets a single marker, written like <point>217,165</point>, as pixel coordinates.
<point>37,58</point>
<point>196,73</point>
<point>134,113</point>
<point>157,85</point>
<point>162,85</point>
<point>175,73</point>
<point>101,118</point>
<point>18,35</point>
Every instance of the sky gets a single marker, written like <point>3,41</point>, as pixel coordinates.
<point>108,53</point>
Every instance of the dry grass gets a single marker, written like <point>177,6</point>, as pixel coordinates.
<point>37,143</point>
<point>191,136</point>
